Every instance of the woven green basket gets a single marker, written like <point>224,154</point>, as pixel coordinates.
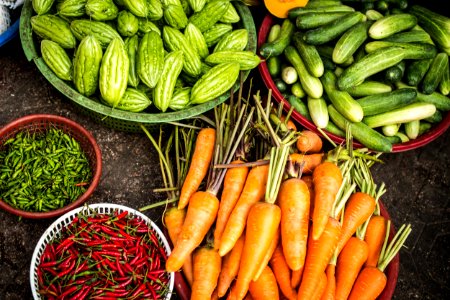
<point>118,119</point>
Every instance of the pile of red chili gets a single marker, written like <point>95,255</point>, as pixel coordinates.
<point>104,256</point>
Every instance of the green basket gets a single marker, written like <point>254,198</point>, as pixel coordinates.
<point>119,119</point>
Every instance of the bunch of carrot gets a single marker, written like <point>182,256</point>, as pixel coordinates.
<point>294,222</point>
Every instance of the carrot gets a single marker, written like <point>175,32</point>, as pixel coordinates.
<point>173,220</point>
<point>282,273</point>
<point>327,179</point>
<point>318,255</point>
<point>214,295</point>
<point>349,263</point>
<point>289,124</point>
<point>230,267</point>
<point>308,180</point>
<point>330,288</point>
<point>371,281</point>
<point>199,164</point>
<point>261,227</point>
<point>253,191</point>
<point>293,199</point>
<point>265,261</point>
<point>232,187</point>
<point>321,285</point>
<point>265,287</point>
<point>309,161</point>
<point>309,141</point>
<point>296,277</point>
<point>358,209</point>
<point>375,232</point>
<point>207,265</point>
<point>200,216</point>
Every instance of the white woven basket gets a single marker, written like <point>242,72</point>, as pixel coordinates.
<point>54,230</point>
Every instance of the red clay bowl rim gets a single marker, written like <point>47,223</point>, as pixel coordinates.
<point>95,179</point>
<point>424,139</point>
<point>183,290</point>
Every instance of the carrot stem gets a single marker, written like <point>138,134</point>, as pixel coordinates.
<point>387,254</point>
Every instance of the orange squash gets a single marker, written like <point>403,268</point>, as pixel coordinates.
<point>280,8</point>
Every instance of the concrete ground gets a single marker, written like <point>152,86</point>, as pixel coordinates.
<point>418,186</point>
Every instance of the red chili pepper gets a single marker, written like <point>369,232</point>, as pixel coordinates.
<point>140,290</point>
<point>123,284</point>
<point>119,268</point>
<point>69,291</point>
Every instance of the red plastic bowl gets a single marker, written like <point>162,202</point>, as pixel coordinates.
<point>422,140</point>
<point>184,293</point>
<point>39,122</point>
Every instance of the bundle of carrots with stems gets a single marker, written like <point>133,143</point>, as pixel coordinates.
<point>268,214</point>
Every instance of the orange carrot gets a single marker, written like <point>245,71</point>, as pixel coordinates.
<point>265,287</point>
<point>358,209</point>
<point>371,281</point>
<point>369,284</point>
<point>265,261</point>
<point>293,199</point>
<point>282,273</point>
<point>321,285</point>
<point>375,232</point>
<point>200,216</point>
<point>327,179</point>
<point>318,255</point>
<point>261,227</point>
<point>308,180</point>
<point>207,264</point>
<point>199,164</point>
<point>253,191</point>
<point>309,141</point>
<point>232,187</point>
<point>296,277</point>
<point>214,295</point>
<point>330,288</point>
<point>309,161</point>
<point>173,220</point>
<point>230,267</point>
<point>289,124</point>
<point>349,263</point>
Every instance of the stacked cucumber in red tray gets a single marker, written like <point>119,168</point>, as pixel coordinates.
<point>380,65</point>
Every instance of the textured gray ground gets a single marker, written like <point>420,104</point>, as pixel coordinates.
<point>418,185</point>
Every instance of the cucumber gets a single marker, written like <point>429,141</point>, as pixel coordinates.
<point>274,66</point>
<point>274,32</point>
<point>311,20</point>
<point>435,73</point>
<point>391,24</point>
<point>311,84</point>
<point>349,42</point>
<point>368,88</point>
<point>341,100</point>
<point>411,36</point>
<point>435,118</point>
<point>444,85</point>
<point>395,73</point>
<point>441,102</point>
<point>437,25</point>
<point>416,70</point>
<point>412,50</point>
<point>370,64</point>
<point>384,102</point>
<point>403,137</point>
<point>331,127</point>
<point>309,54</point>
<point>280,84</point>
<point>373,14</point>
<point>318,111</point>
<point>408,113</point>
<point>390,130</point>
<point>297,90</point>
<point>424,127</point>
<point>334,29</point>
<point>299,11</point>
<point>394,139</point>
<point>289,75</point>
<point>412,129</point>
<point>277,46</point>
<point>299,106</point>
<point>361,132</point>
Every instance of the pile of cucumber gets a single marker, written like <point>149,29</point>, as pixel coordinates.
<point>378,66</point>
